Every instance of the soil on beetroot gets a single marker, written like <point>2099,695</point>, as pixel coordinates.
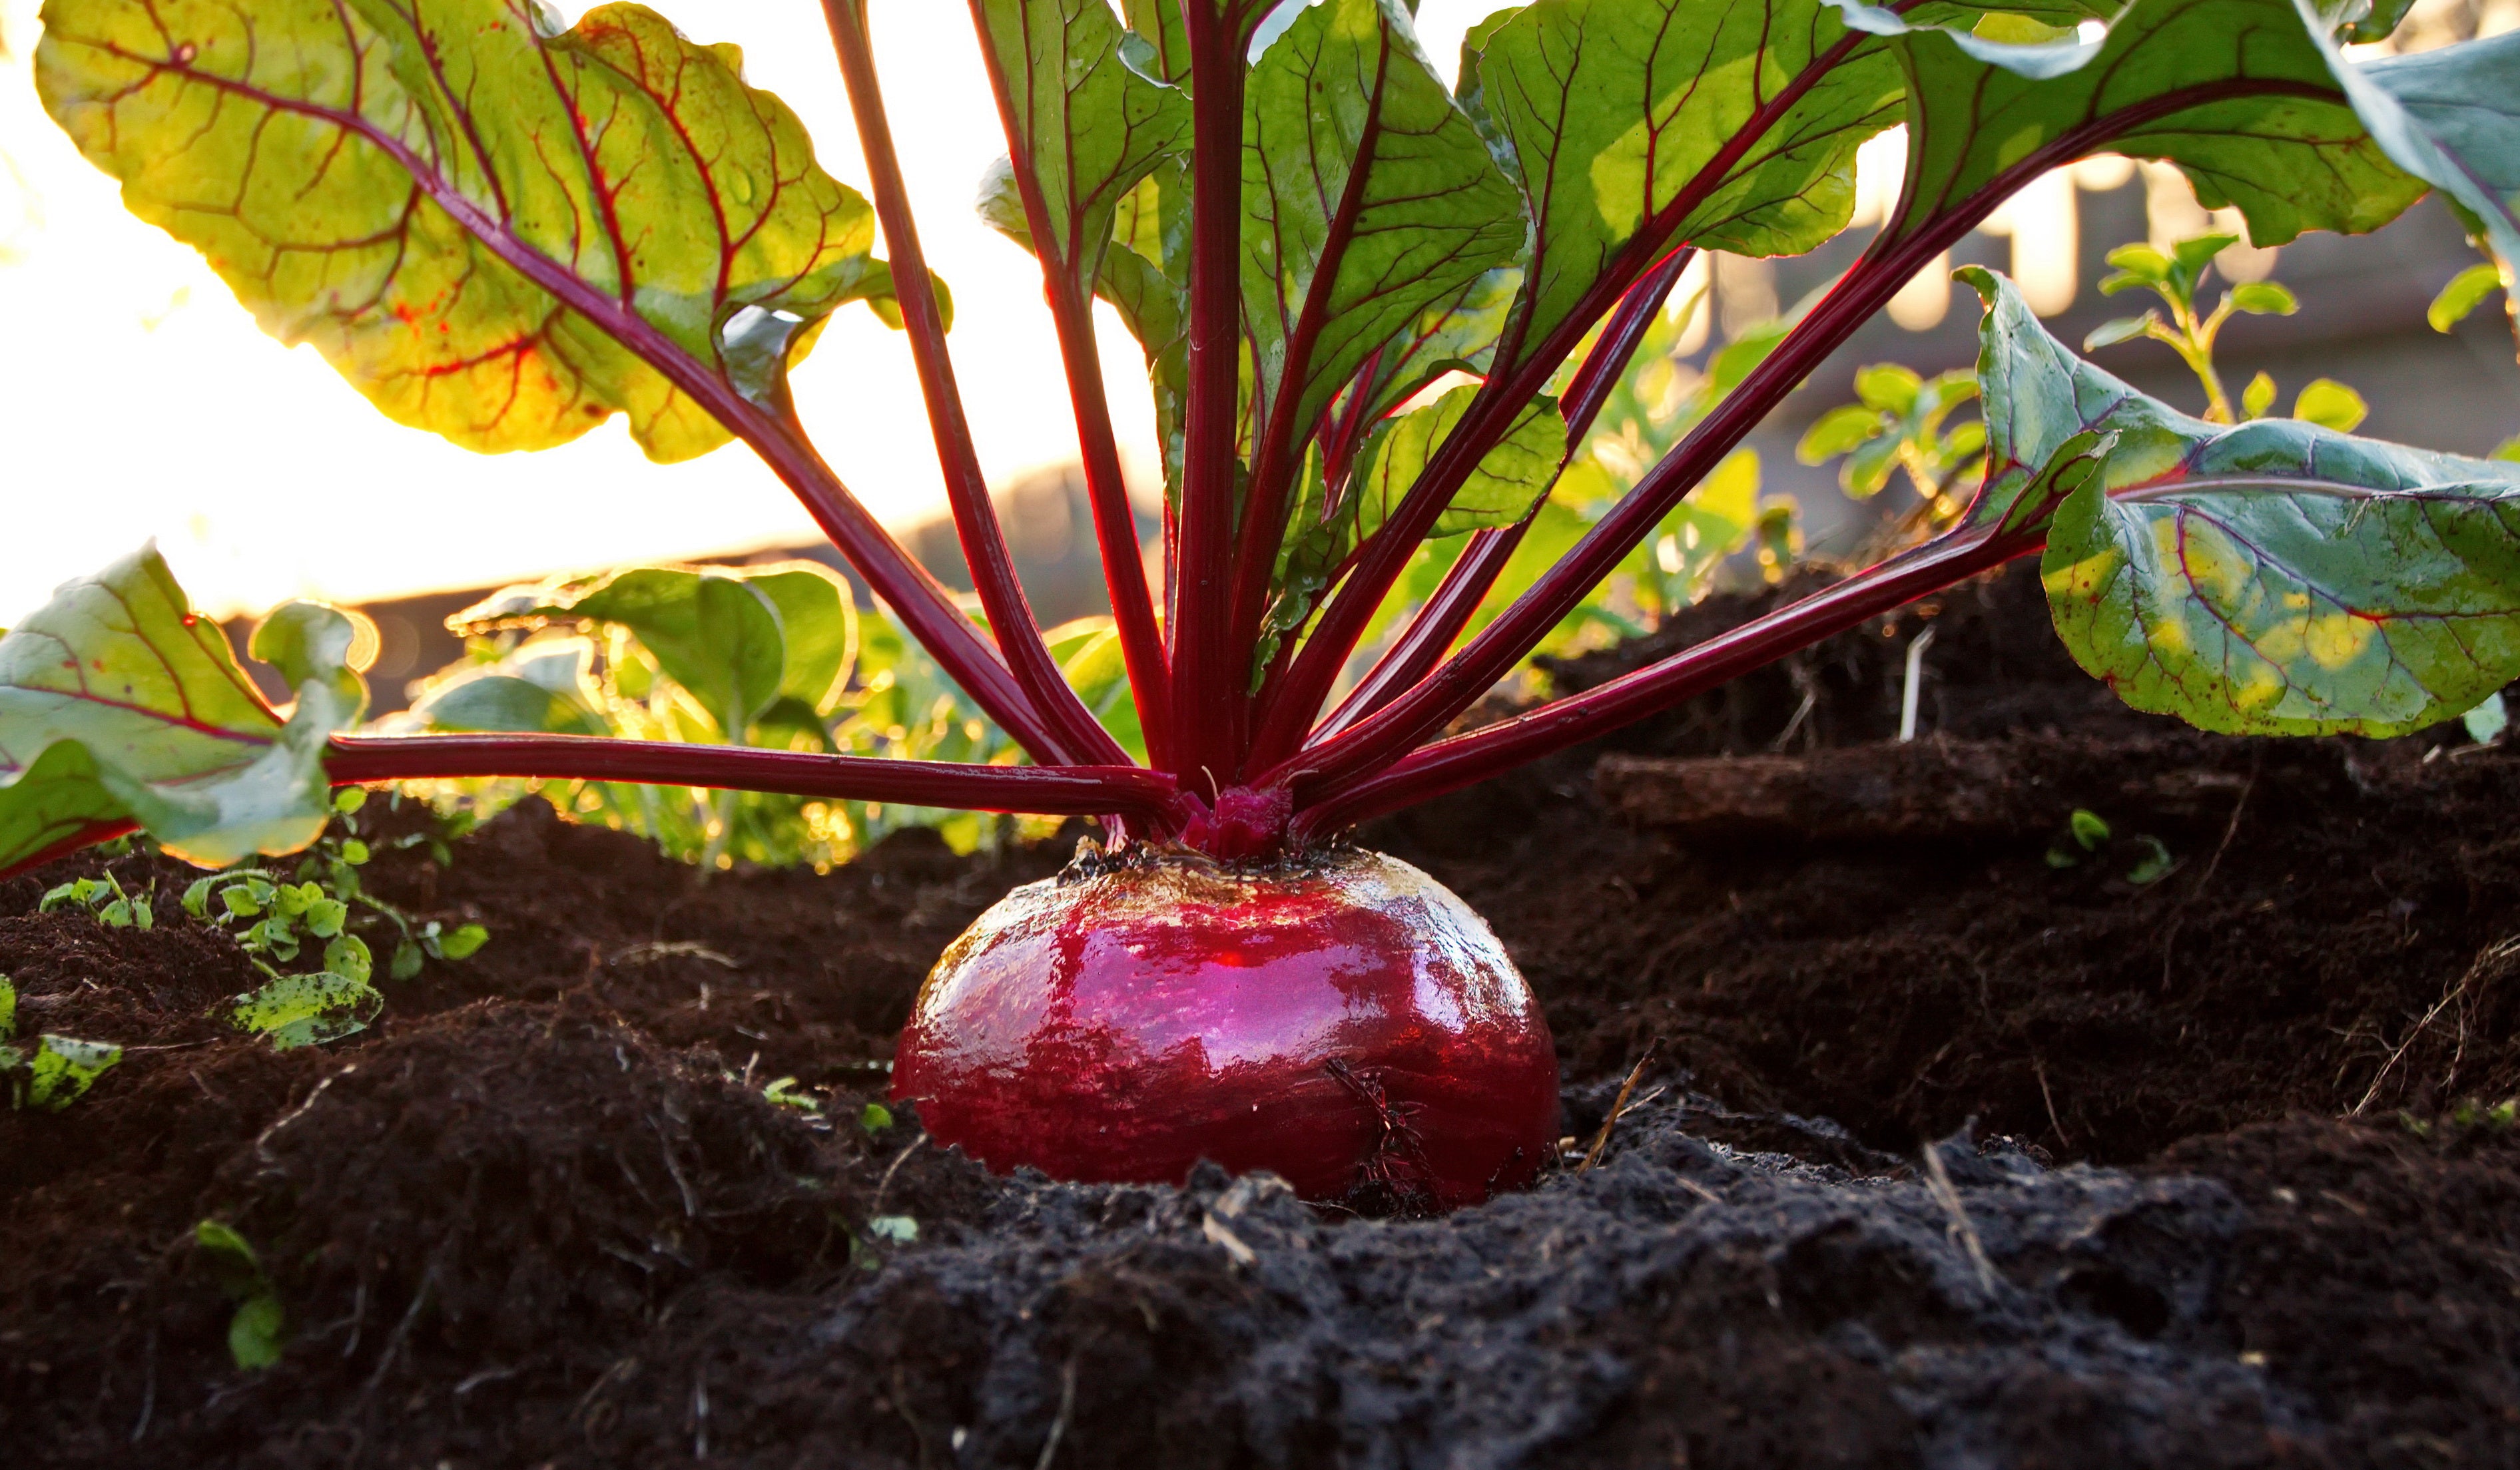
<point>2212,1190</point>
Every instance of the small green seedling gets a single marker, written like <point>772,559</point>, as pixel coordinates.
<point>785,1094</point>
<point>876,1118</point>
<point>2177,278</point>
<point>309,1010</point>
<point>58,1073</point>
<point>2086,834</point>
<point>258,1331</point>
<point>105,899</point>
<point>277,917</point>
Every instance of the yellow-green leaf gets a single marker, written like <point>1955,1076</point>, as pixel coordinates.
<point>308,1010</point>
<point>119,703</point>
<point>465,215</point>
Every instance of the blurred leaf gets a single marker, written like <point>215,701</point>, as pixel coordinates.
<point>2485,722</point>
<point>1888,388</point>
<point>2263,298</point>
<point>497,703</point>
<point>1836,432</point>
<point>2331,404</point>
<point>2258,397</point>
<point>2124,329</point>
<point>2465,292</point>
<point>259,1333</point>
<point>63,1069</point>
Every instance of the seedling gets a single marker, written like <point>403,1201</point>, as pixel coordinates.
<point>276,920</point>
<point>257,1333</point>
<point>103,897</point>
<point>2087,835</point>
<point>1377,311</point>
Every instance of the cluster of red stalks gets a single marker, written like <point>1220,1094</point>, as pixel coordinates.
<point>1242,759</point>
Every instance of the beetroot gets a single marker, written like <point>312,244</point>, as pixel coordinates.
<point>1340,1018</point>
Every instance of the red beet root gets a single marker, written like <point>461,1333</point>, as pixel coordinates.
<point>1343,1020</point>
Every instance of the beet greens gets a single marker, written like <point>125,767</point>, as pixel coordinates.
<point>506,233</point>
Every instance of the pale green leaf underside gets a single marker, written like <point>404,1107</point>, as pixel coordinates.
<point>2238,93</point>
<point>346,169</point>
<point>2452,118</point>
<point>119,703</point>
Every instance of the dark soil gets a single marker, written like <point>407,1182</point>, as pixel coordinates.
<point>2226,1187</point>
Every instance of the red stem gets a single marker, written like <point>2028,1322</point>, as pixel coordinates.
<point>1057,792</point>
<point>1209,681</point>
<point>1467,759</point>
<point>1115,527</point>
<point>1891,261</point>
<point>1079,737</point>
<point>1351,609</point>
<point>1436,625</point>
<point>1276,460</point>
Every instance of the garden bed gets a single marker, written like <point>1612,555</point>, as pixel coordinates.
<point>541,1213</point>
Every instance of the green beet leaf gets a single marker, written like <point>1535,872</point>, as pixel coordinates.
<point>2240,94</point>
<point>2452,118</point>
<point>118,704</point>
<point>308,1010</point>
<point>465,215</point>
<point>1090,124</point>
<point>1368,199</point>
<point>2276,577</point>
<point>1679,118</point>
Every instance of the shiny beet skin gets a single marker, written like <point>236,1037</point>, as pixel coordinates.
<point>1342,1020</point>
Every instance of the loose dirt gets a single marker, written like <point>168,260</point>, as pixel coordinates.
<point>2218,1180</point>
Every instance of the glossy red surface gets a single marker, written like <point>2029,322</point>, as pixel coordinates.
<point>1351,1026</point>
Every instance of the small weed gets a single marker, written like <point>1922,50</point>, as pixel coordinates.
<point>2178,278</point>
<point>258,1331</point>
<point>277,917</point>
<point>105,899</point>
<point>785,1094</point>
<point>2087,836</point>
<point>59,1070</point>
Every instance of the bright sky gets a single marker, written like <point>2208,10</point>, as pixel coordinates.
<point>137,399</point>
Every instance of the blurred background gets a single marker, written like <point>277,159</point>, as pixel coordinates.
<point>139,400</point>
